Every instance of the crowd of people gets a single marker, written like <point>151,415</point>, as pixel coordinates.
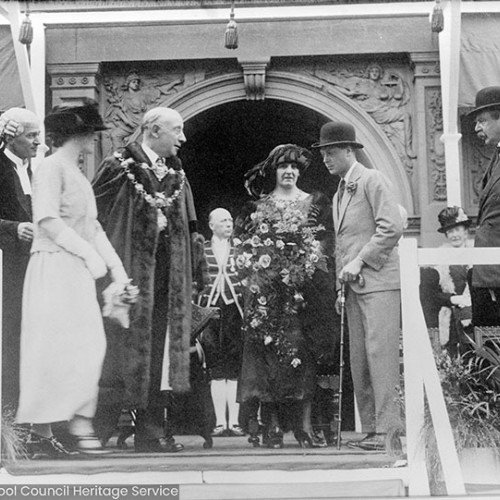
<point>102,279</point>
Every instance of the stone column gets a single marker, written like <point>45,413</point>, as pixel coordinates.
<point>430,183</point>
<point>69,85</point>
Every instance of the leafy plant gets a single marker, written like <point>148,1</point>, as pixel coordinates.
<point>471,389</point>
<point>13,438</point>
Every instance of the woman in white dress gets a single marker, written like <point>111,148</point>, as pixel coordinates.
<point>62,340</point>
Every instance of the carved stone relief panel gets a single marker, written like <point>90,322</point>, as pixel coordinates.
<point>128,97</point>
<point>384,91</point>
<point>129,93</point>
<point>436,173</point>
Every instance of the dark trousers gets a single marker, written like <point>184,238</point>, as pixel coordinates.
<point>14,269</point>
<point>485,310</point>
<point>151,421</point>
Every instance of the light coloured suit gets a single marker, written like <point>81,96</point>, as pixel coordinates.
<point>368,225</point>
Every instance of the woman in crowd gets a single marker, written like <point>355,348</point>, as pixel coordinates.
<point>62,340</point>
<point>283,269</point>
<point>445,291</point>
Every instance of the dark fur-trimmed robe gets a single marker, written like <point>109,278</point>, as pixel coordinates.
<point>131,225</point>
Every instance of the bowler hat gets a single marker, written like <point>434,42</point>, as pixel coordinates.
<point>74,120</point>
<point>451,217</point>
<point>337,134</point>
<point>487,98</point>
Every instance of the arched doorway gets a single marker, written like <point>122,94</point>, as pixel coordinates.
<point>226,140</point>
<point>227,134</point>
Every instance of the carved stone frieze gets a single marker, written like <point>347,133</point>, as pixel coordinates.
<point>128,97</point>
<point>73,82</point>
<point>435,148</point>
<point>425,64</point>
<point>384,93</point>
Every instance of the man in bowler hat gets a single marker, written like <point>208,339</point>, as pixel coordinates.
<point>486,278</point>
<point>368,226</point>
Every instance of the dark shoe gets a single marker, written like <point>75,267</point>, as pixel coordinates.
<point>331,437</point>
<point>161,445</point>
<point>310,439</point>
<point>369,435</point>
<point>274,438</point>
<point>218,431</point>
<point>254,430</point>
<point>237,431</point>
<point>373,442</point>
<point>40,447</point>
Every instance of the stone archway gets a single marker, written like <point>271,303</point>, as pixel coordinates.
<point>307,92</point>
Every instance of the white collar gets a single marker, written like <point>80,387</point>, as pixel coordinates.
<point>347,176</point>
<point>153,157</point>
<point>20,163</point>
<point>219,241</point>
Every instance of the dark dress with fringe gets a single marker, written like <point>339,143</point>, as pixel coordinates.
<point>313,332</point>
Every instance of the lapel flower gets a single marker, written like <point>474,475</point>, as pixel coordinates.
<point>351,187</point>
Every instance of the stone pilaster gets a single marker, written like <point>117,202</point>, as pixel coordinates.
<point>69,85</point>
<point>430,183</point>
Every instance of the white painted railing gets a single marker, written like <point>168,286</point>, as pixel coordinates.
<point>420,371</point>
<point>1,337</point>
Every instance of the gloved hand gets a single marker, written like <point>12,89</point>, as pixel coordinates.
<point>95,264</point>
<point>70,241</point>
<point>119,275</point>
<point>461,300</point>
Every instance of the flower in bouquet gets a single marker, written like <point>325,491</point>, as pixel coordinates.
<point>277,255</point>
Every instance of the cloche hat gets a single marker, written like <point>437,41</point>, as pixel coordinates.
<point>74,120</point>
<point>451,217</point>
<point>487,98</point>
<point>337,134</point>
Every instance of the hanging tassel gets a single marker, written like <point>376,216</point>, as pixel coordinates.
<point>437,18</point>
<point>231,35</point>
<point>26,30</point>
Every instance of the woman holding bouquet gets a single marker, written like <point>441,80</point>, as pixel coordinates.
<point>280,258</point>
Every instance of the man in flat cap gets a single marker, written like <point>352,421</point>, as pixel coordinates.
<point>368,226</point>
<point>486,278</point>
<point>20,131</point>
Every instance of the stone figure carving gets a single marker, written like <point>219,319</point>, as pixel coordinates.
<point>128,104</point>
<point>384,99</point>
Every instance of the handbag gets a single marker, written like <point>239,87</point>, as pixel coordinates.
<point>200,317</point>
<point>117,302</point>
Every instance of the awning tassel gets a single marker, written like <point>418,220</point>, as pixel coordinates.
<point>26,30</point>
<point>437,18</point>
<point>231,35</point>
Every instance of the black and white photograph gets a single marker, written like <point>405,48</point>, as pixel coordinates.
<point>250,249</point>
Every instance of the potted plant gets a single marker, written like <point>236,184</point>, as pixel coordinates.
<point>471,389</point>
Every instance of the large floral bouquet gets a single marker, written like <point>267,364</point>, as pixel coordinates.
<point>276,254</point>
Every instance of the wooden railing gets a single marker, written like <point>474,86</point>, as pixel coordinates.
<point>420,371</point>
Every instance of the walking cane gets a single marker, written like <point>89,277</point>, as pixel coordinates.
<point>341,370</point>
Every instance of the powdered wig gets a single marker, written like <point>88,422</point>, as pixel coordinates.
<point>23,117</point>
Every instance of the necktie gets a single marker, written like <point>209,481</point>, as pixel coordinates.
<point>341,191</point>
<point>159,168</point>
<point>30,173</point>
